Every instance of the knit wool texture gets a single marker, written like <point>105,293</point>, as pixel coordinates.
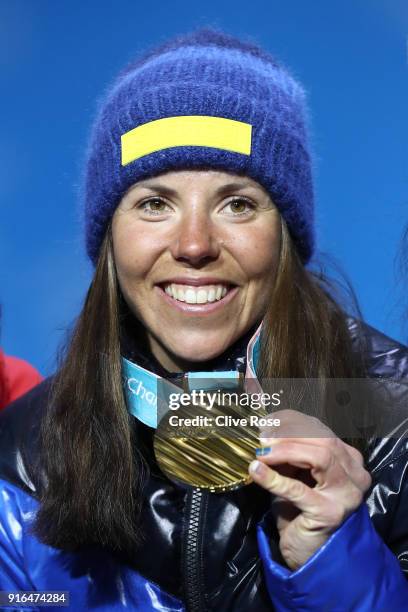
<point>205,73</point>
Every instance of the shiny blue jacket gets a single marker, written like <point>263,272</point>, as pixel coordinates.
<point>214,552</point>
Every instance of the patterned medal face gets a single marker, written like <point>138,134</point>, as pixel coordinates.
<point>206,424</point>
<point>208,444</point>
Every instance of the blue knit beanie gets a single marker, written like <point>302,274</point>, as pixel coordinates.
<point>204,100</point>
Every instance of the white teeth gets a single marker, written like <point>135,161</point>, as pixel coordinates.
<point>202,296</point>
<point>196,295</point>
<point>180,295</point>
<point>190,296</point>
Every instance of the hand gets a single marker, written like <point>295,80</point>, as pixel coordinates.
<point>318,481</point>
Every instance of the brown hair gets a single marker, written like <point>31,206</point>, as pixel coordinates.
<point>94,471</point>
<point>305,332</point>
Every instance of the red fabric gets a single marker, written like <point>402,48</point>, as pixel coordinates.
<point>16,378</point>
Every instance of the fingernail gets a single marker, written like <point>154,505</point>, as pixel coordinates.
<point>268,441</point>
<point>263,451</point>
<point>256,467</point>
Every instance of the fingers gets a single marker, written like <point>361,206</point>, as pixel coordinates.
<point>348,457</point>
<point>316,479</point>
<point>324,461</point>
<point>325,468</point>
<point>289,489</point>
<point>298,427</point>
<point>354,454</point>
<point>328,503</point>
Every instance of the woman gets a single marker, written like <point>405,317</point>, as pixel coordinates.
<point>199,221</point>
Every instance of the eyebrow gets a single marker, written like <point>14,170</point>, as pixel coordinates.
<point>224,189</point>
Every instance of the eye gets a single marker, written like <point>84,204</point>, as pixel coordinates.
<point>154,206</point>
<point>239,207</point>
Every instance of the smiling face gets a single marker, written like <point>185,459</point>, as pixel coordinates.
<point>196,253</point>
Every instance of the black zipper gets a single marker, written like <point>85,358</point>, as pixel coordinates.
<point>194,596</point>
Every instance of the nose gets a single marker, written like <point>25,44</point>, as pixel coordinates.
<point>196,240</point>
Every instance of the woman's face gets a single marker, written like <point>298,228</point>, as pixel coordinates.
<point>196,253</point>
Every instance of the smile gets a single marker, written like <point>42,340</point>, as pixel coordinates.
<point>197,297</point>
<point>203,294</point>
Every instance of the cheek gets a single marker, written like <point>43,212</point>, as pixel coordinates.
<point>135,252</point>
<point>258,253</point>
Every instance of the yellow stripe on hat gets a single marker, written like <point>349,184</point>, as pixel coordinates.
<point>186,131</point>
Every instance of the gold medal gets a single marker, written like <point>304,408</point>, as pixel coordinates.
<point>208,447</point>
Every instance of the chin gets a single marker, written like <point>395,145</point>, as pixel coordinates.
<point>198,355</point>
<point>201,349</point>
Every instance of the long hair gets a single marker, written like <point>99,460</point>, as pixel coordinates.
<point>306,344</point>
<point>94,471</point>
<point>305,331</point>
